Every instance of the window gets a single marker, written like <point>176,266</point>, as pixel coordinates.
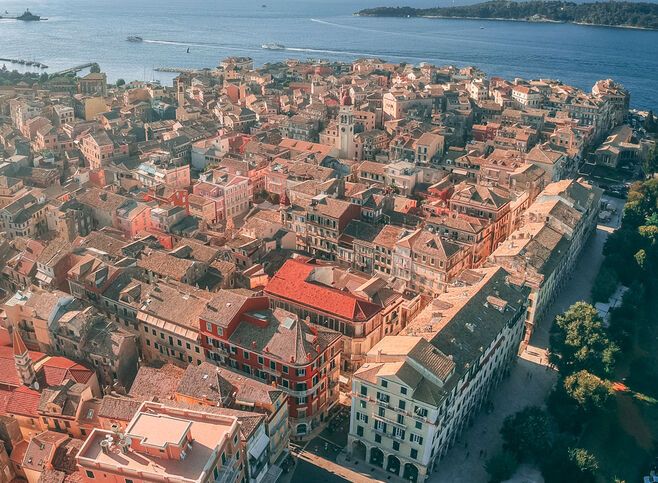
<point>301,372</point>
<point>273,365</point>
<point>90,474</point>
<point>284,369</point>
<point>402,404</point>
<point>260,359</point>
<point>380,426</point>
<point>359,430</point>
<point>422,412</point>
<point>364,391</point>
<point>381,412</point>
<point>414,438</point>
<point>396,446</point>
<point>208,326</point>
<point>398,433</point>
<point>384,383</point>
<point>413,453</point>
<point>245,354</point>
<point>400,419</point>
<point>419,425</point>
<point>129,480</point>
<point>378,438</point>
<point>403,390</point>
<point>385,398</point>
<point>362,404</point>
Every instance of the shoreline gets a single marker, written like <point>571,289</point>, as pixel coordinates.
<point>500,19</point>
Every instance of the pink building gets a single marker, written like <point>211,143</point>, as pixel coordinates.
<point>163,444</point>
<point>132,218</point>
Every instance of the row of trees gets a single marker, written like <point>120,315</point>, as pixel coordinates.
<point>636,14</point>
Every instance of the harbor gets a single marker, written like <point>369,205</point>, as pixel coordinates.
<point>29,63</point>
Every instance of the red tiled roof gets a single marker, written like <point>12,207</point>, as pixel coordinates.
<point>8,374</point>
<point>24,401</point>
<point>19,346</point>
<point>290,283</point>
<point>57,369</point>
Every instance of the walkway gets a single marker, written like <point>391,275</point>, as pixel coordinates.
<point>529,383</point>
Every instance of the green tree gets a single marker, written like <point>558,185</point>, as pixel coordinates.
<point>526,434</point>
<point>589,391</point>
<point>650,162</point>
<point>95,69</point>
<point>121,82</point>
<point>501,466</point>
<point>579,341</point>
<point>585,461</point>
<point>605,284</point>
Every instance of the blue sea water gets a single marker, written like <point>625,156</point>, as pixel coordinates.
<point>80,31</point>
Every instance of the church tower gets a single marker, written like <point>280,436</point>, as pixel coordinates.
<point>23,361</point>
<point>347,149</point>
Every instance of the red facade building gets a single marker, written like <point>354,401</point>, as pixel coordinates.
<point>276,346</point>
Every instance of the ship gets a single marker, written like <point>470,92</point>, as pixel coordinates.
<point>28,17</point>
<point>273,47</point>
<point>134,38</point>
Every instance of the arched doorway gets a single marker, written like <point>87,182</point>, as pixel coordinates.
<point>359,450</point>
<point>302,429</point>
<point>376,457</point>
<point>410,472</point>
<point>393,465</point>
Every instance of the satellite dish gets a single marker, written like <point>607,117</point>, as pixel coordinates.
<point>36,385</point>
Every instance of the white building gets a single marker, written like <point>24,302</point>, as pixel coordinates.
<point>416,393</point>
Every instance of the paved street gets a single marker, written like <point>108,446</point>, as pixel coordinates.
<point>529,382</point>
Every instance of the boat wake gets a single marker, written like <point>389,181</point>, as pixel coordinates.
<point>202,45</point>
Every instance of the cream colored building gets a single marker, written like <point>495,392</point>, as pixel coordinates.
<point>416,393</point>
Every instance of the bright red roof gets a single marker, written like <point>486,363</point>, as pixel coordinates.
<point>57,369</point>
<point>24,401</point>
<point>290,283</point>
<point>8,374</point>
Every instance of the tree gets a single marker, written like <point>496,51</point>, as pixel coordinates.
<point>650,162</point>
<point>579,341</point>
<point>584,460</point>
<point>589,391</point>
<point>121,82</point>
<point>526,434</point>
<point>605,284</point>
<point>501,466</point>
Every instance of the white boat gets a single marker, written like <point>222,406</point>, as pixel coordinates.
<point>273,47</point>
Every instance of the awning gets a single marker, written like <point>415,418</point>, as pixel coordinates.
<point>257,447</point>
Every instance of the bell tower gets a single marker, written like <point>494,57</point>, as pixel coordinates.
<point>23,361</point>
<point>346,127</point>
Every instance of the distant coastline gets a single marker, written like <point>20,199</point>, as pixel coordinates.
<point>628,15</point>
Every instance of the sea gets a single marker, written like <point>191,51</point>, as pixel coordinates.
<point>82,31</point>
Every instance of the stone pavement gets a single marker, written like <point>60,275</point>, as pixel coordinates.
<point>529,383</point>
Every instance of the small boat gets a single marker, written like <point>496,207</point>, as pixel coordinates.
<point>188,50</point>
<point>28,17</point>
<point>263,6</point>
<point>134,38</point>
<point>273,46</point>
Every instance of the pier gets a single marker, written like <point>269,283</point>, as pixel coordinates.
<point>76,69</point>
<point>174,70</point>
<point>29,63</point>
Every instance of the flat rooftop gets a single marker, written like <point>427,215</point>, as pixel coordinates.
<point>159,426</point>
<point>158,429</point>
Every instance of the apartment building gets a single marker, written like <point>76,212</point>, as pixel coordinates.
<point>416,393</point>
<point>164,443</point>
